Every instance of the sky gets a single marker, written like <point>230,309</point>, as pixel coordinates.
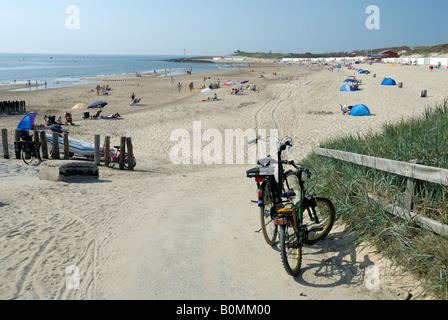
<point>178,27</point>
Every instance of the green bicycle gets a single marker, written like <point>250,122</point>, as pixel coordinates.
<point>288,211</point>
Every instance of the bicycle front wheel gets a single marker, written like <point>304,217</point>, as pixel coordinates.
<point>319,217</point>
<point>268,225</point>
<point>291,250</point>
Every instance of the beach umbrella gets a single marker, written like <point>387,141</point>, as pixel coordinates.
<point>347,87</point>
<point>27,122</point>
<point>97,105</point>
<point>360,110</point>
<point>388,82</point>
<point>207,90</point>
<point>230,83</point>
<point>245,81</point>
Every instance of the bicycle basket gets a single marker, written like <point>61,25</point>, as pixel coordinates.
<point>260,172</point>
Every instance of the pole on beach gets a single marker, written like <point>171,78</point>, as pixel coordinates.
<point>107,151</point>
<point>66,147</point>
<point>56,154</point>
<point>97,149</point>
<point>5,143</point>
<point>43,139</point>
<point>131,163</point>
<point>122,152</point>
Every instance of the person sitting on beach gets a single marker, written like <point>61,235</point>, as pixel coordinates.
<point>59,121</point>
<point>68,119</point>
<point>346,109</point>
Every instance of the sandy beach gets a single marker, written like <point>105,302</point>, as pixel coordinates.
<point>188,232</point>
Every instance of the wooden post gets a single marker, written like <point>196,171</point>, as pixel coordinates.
<point>17,139</point>
<point>107,151</point>
<point>5,143</point>
<point>97,149</point>
<point>410,190</point>
<point>56,154</point>
<point>122,152</point>
<point>43,140</point>
<point>66,147</point>
<point>131,164</point>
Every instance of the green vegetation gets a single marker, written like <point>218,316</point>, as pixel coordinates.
<point>351,187</point>
<point>425,51</point>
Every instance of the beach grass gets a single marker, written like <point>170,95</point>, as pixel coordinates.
<point>353,189</point>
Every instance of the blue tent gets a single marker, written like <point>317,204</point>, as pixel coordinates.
<point>27,123</point>
<point>360,110</point>
<point>348,87</point>
<point>388,82</point>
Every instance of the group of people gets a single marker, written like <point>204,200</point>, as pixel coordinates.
<point>51,120</point>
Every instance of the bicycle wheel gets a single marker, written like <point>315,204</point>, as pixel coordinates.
<point>32,157</point>
<point>291,250</point>
<point>319,217</point>
<point>267,223</point>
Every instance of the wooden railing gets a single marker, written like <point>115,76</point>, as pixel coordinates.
<point>412,170</point>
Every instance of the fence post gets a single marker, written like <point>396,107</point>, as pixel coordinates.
<point>17,139</point>
<point>56,154</point>
<point>131,163</point>
<point>5,143</point>
<point>122,152</point>
<point>43,139</point>
<point>107,151</point>
<point>97,149</point>
<point>410,190</point>
<point>66,147</point>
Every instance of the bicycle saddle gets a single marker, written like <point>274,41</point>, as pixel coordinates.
<point>289,194</point>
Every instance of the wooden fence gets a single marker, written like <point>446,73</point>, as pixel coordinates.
<point>12,107</point>
<point>125,146</point>
<point>412,170</point>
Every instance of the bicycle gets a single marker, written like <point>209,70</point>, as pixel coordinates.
<point>296,227</point>
<point>115,157</point>
<point>29,150</point>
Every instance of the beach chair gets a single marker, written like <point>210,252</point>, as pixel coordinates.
<point>97,115</point>
<point>135,101</point>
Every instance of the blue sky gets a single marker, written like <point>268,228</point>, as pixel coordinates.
<point>217,27</point>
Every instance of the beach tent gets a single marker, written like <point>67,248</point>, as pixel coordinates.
<point>348,87</point>
<point>388,82</point>
<point>351,80</point>
<point>360,110</point>
<point>27,122</point>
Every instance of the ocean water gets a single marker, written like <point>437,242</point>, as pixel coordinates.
<point>69,70</point>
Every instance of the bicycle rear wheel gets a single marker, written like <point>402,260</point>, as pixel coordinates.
<point>291,250</point>
<point>268,226</point>
<point>32,157</point>
<point>319,217</point>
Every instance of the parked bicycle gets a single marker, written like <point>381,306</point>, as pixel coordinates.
<point>29,150</point>
<point>115,156</point>
<point>287,210</point>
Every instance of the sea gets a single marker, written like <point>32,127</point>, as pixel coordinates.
<point>64,70</point>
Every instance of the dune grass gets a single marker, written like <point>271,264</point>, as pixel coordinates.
<point>352,187</point>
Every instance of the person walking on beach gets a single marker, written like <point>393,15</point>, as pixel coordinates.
<point>179,87</point>
<point>191,87</point>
